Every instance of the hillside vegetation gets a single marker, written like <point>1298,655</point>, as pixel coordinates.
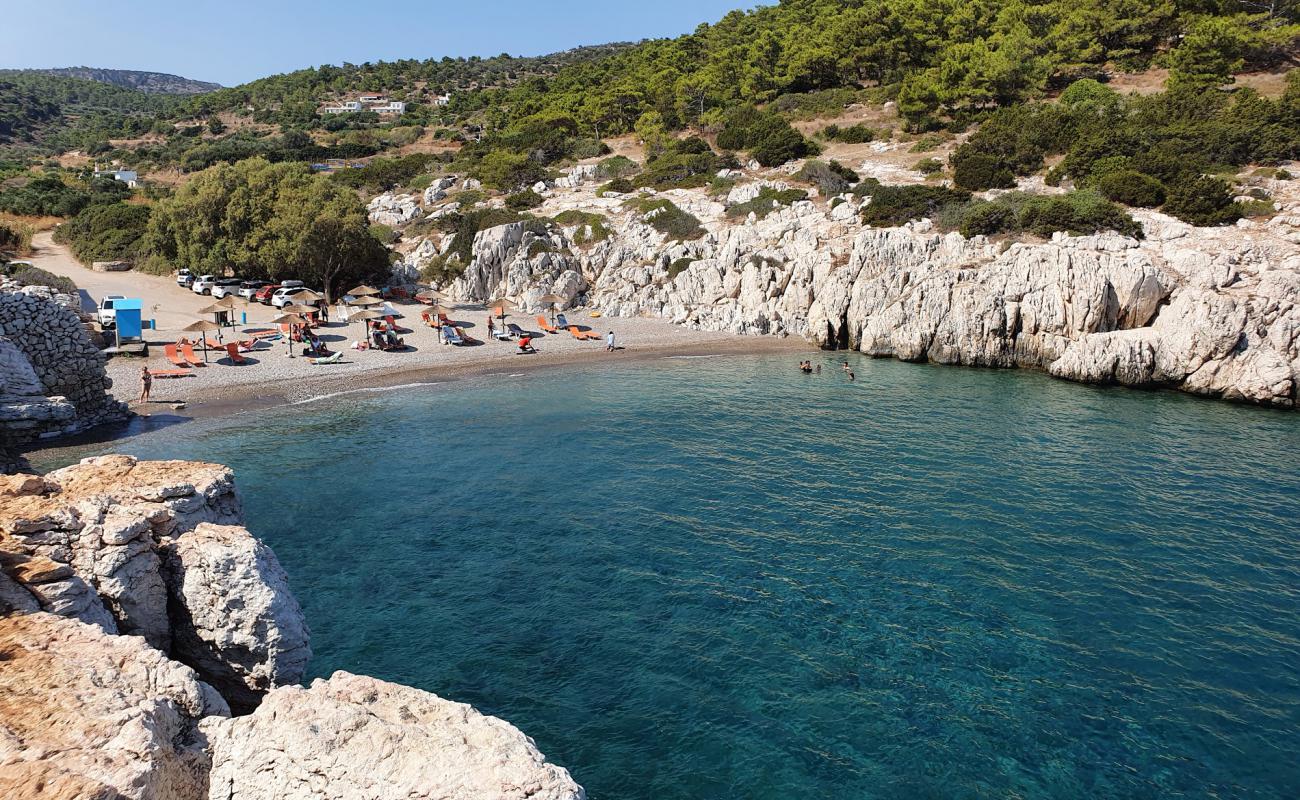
<point>148,82</point>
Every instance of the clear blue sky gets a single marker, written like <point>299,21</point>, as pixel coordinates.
<point>238,40</point>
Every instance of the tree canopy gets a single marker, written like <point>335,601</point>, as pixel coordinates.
<point>268,221</point>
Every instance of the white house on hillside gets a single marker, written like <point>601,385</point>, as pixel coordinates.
<point>366,102</point>
<point>127,176</point>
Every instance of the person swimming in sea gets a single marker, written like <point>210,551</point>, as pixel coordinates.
<point>805,367</point>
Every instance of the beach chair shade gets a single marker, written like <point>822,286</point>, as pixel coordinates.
<point>365,300</point>
<point>362,290</point>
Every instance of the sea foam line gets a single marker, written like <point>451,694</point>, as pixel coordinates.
<point>709,355</point>
<point>314,398</point>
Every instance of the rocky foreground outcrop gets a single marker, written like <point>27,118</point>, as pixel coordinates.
<point>52,378</point>
<point>138,612</point>
<point>1213,311</point>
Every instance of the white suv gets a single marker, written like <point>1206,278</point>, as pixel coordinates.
<point>284,296</point>
<point>226,286</point>
<point>203,284</point>
<point>107,314</point>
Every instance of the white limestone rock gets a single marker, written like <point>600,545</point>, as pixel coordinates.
<point>352,736</point>
<point>240,626</point>
<point>84,714</point>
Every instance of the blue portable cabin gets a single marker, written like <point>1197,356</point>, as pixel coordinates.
<point>129,325</point>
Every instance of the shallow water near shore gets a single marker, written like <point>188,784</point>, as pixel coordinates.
<point>720,578</point>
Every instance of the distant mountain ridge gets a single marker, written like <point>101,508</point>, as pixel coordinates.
<point>148,82</point>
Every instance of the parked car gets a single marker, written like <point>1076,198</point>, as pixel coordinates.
<point>203,284</point>
<point>264,294</point>
<point>284,295</point>
<point>248,289</point>
<point>184,278</point>
<point>226,286</point>
<point>107,314</point>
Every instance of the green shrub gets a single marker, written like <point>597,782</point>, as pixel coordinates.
<point>928,142</point>
<point>616,167</point>
<point>810,105</point>
<point>619,185</point>
<point>1132,188</point>
<point>766,202</point>
<point>539,246</point>
<point>768,138</point>
<point>465,224</point>
<point>895,205</point>
<point>1081,212</point>
<point>683,164</point>
<point>154,265</point>
<point>35,276</point>
<point>384,233</point>
<point>591,227</point>
<point>1257,208</point>
<point>679,266</point>
<point>469,197</point>
<point>113,232</point>
<point>978,171</point>
<point>668,219</point>
<point>442,269</point>
<point>928,166</point>
<point>828,180</point>
<point>987,219</point>
<point>521,201</point>
<point>1203,200</point>
<point>851,134</point>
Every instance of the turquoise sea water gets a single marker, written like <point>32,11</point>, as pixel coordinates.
<point>720,578</point>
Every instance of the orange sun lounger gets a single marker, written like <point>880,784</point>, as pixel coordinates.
<point>188,351</point>
<point>546,326</point>
<point>232,349</point>
<point>171,373</point>
<point>583,335</point>
<point>174,356</point>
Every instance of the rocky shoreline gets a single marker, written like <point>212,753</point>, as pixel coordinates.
<point>153,649</point>
<point>1210,311</point>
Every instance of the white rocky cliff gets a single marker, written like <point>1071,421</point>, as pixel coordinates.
<point>138,613</point>
<point>1213,311</point>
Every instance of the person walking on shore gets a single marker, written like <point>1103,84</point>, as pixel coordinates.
<point>146,383</point>
<point>609,342</point>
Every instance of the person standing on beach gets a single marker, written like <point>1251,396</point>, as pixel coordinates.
<point>490,329</point>
<point>609,342</point>
<point>146,383</point>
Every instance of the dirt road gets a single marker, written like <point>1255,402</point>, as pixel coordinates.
<point>171,306</point>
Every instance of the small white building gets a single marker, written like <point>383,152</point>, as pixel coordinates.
<point>442,100</point>
<point>390,107</point>
<point>127,176</point>
<point>345,107</point>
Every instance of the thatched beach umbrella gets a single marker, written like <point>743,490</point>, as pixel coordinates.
<point>294,308</point>
<point>365,300</point>
<point>362,290</point>
<point>365,315</point>
<point>501,304</point>
<point>202,326</point>
<point>290,320</point>
<point>306,296</point>
<point>226,302</point>
<point>551,300</point>
<point>428,295</point>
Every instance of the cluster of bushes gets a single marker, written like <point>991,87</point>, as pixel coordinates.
<point>810,105</point>
<point>668,219</point>
<point>928,166</point>
<point>616,167</point>
<point>591,227</point>
<point>830,178</point>
<point>384,173</point>
<point>768,200</point>
<point>850,134</point>
<point>619,185</point>
<point>522,201</point>
<point>1080,212</point>
<point>35,276</point>
<point>1152,151</point>
<point>682,163</point>
<point>106,232</point>
<point>896,205</point>
<point>48,195</point>
<point>765,135</point>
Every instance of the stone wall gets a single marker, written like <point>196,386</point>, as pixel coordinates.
<point>52,378</point>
